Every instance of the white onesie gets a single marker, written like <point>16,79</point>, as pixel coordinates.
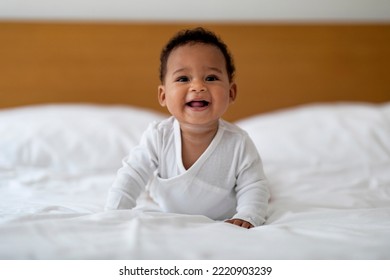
<point>227,181</point>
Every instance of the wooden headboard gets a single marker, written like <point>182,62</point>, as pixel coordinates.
<point>278,65</point>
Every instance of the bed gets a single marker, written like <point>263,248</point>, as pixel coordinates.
<point>78,97</point>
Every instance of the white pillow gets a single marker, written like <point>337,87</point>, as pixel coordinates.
<point>318,134</point>
<point>70,138</point>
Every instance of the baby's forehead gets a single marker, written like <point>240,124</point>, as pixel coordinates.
<point>195,55</point>
<point>182,49</point>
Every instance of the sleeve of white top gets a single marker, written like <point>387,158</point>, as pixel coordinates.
<point>252,186</point>
<point>137,168</point>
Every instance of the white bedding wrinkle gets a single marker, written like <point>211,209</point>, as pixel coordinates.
<point>327,164</point>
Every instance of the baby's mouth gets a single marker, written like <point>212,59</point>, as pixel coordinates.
<point>198,103</point>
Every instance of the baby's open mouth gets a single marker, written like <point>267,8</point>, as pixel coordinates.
<point>198,103</point>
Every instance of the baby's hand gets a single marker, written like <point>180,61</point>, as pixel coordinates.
<point>240,223</point>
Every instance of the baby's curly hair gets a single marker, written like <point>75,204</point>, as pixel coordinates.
<point>192,36</point>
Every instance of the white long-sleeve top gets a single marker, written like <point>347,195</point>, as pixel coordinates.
<point>227,181</point>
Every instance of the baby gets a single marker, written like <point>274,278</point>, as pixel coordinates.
<point>194,162</point>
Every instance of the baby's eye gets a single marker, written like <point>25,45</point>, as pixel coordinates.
<point>182,79</point>
<point>211,78</point>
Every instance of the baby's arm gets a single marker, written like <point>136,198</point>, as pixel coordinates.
<point>127,186</point>
<point>252,187</point>
<point>134,174</point>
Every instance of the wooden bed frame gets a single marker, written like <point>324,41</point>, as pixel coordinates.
<point>278,65</point>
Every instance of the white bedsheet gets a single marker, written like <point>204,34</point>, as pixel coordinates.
<point>329,168</point>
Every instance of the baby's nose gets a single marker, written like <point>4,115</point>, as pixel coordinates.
<point>198,85</point>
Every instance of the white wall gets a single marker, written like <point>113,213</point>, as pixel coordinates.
<point>198,10</point>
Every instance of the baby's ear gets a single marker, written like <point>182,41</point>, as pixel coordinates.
<point>161,95</point>
<point>233,92</point>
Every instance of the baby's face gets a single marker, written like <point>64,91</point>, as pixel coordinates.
<point>196,89</point>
